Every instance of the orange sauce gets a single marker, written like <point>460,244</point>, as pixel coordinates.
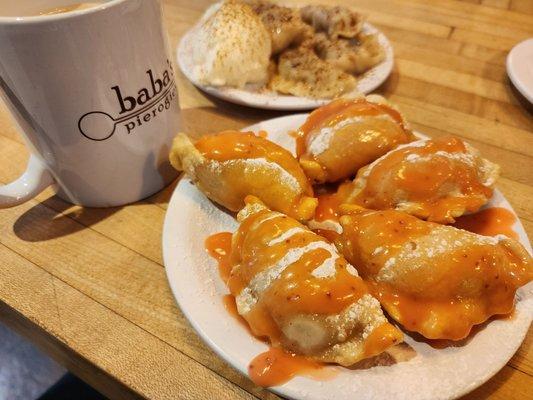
<point>381,338</point>
<point>489,222</point>
<point>338,110</point>
<point>297,291</point>
<point>328,207</point>
<point>453,318</point>
<point>330,201</point>
<point>293,197</point>
<point>331,236</point>
<point>448,309</point>
<point>275,367</point>
<point>423,181</point>
<point>219,247</point>
<point>374,229</point>
<point>353,145</point>
<point>230,145</point>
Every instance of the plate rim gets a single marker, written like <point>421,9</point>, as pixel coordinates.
<point>517,82</point>
<point>286,390</point>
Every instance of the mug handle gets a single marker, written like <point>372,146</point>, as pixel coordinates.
<point>33,181</point>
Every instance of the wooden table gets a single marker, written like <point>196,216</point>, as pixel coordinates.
<point>88,285</point>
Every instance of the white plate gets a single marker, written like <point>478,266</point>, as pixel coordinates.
<point>520,68</point>
<point>432,374</point>
<point>261,98</point>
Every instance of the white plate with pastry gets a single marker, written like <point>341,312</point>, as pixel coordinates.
<point>416,369</point>
<point>283,75</point>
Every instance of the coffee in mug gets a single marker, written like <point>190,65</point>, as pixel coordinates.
<point>68,8</point>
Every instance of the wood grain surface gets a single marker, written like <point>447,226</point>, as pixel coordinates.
<point>88,285</point>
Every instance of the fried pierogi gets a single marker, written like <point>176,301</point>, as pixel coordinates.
<point>433,279</point>
<point>301,72</point>
<point>344,135</point>
<point>334,21</point>
<point>293,288</point>
<point>284,24</point>
<point>437,180</point>
<point>354,56</point>
<point>230,165</point>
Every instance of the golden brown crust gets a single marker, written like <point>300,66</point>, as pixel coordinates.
<point>434,279</point>
<point>271,244</point>
<point>350,55</point>
<point>302,73</point>
<point>486,172</point>
<point>267,171</point>
<point>343,136</point>
<point>335,21</point>
<point>184,156</point>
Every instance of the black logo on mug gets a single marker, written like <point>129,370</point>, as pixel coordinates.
<point>134,110</point>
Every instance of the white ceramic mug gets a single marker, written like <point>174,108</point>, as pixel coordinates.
<point>93,92</point>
